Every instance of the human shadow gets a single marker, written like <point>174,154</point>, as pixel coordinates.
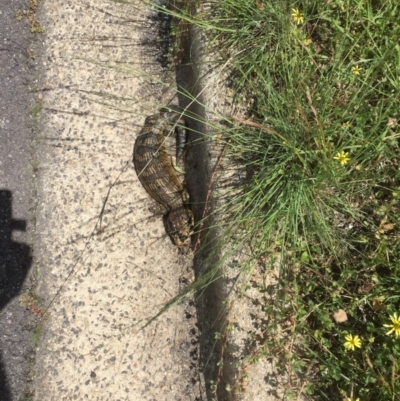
<point>15,261</point>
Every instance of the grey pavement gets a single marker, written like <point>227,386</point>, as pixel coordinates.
<point>16,201</point>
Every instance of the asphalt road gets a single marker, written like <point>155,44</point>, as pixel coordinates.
<point>16,200</point>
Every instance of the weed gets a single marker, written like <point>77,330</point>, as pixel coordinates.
<point>34,89</point>
<point>36,108</point>
<point>31,54</point>
<point>32,302</point>
<point>37,333</point>
<point>29,395</point>
<point>36,27</point>
<point>30,15</point>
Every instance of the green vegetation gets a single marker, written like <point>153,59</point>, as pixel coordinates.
<point>30,15</point>
<point>36,108</point>
<point>320,144</point>
<point>37,333</point>
<point>31,301</point>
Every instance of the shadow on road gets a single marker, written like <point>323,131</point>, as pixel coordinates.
<point>15,261</point>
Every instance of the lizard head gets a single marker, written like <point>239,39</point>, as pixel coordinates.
<point>179,224</point>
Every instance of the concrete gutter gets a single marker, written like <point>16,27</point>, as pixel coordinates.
<point>106,268</point>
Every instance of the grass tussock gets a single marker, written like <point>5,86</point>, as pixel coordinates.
<point>320,81</point>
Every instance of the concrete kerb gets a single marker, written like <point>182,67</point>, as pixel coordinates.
<point>228,318</point>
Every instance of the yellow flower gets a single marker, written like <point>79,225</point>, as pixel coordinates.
<point>395,326</point>
<point>352,342</point>
<point>346,125</point>
<point>307,42</point>
<point>342,157</point>
<point>356,70</point>
<point>298,17</point>
<point>350,399</point>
